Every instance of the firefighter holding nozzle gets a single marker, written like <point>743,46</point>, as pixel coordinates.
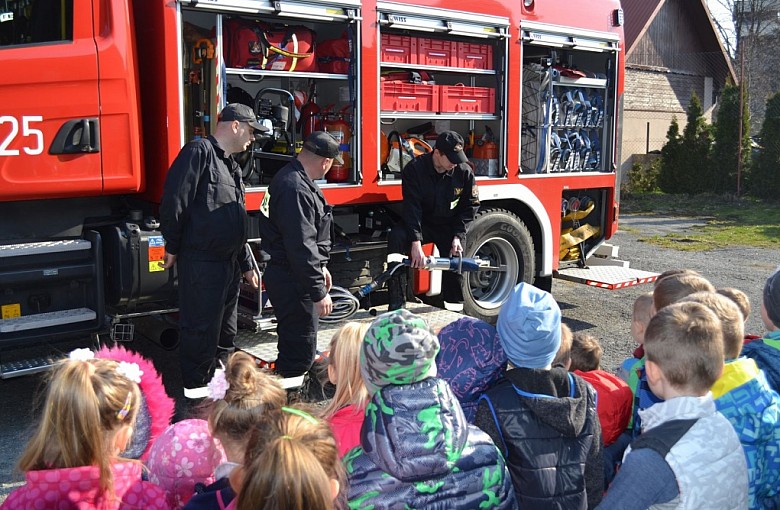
<point>440,200</point>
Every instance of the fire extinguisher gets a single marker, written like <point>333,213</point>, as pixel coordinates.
<point>310,114</point>
<point>340,130</point>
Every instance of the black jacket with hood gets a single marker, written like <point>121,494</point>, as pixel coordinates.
<point>545,424</point>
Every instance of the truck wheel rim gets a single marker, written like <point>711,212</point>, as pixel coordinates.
<point>491,288</point>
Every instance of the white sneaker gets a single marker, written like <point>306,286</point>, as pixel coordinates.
<point>453,307</point>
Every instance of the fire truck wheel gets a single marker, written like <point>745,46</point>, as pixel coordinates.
<point>502,238</point>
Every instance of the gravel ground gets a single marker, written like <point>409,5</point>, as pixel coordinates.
<point>605,314</point>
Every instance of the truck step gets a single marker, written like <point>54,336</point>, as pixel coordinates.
<point>47,319</point>
<point>25,367</point>
<point>19,250</point>
<point>607,277</point>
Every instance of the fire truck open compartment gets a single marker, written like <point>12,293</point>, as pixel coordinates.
<point>267,81</point>
<point>457,62</point>
<point>568,111</point>
<point>568,101</point>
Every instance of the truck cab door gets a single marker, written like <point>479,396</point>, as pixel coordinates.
<point>50,143</point>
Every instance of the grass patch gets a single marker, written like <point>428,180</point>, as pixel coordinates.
<point>727,221</point>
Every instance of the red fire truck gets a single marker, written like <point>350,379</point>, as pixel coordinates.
<point>98,96</point>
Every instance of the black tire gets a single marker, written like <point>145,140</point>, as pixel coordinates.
<point>502,238</point>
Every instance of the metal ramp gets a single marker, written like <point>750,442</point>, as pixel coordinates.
<point>604,270</point>
<point>607,277</point>
<point>262,344</point>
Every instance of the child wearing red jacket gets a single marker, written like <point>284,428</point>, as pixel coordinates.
<point>614,396</point>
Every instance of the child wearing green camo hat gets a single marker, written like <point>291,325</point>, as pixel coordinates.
<point>416,447</point>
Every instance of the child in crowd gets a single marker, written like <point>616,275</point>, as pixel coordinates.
<point>766,351</point>
<point>417,450</point>
<point>688,455</point>
<point>641,313</point>
<point>563,356</point>
<point>241,395</point>
<point>744,397</point>
<point>471,360</point>
<point>673,288</point>
<point>72,460</point>
<point>543,419</point>
<point>291,463</point>
<point>743,302</point>
<point>344,413</point>
<point>155,409</point>
<point>184,455</point>
<point>614,395</point>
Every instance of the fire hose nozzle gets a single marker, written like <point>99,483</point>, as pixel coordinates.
<point>457,264</point>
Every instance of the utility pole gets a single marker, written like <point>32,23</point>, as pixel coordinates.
<point>741,113</point>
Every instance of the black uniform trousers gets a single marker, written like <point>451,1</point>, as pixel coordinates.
<point>208,307</point>
<point>399,240</point>
<point>297,321</point>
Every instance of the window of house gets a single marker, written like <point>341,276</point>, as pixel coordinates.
<point>35,21</point>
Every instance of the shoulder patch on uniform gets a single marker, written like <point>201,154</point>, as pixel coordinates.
<point>474,190</point>
<point>265,204</point>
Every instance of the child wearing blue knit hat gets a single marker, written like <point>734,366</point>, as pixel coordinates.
<point>543,419</point>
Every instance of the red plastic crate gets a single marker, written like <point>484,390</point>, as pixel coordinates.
<point>457,98</point>
<point>399,49</point>
<point>435,52</point>
<point>409,97</point>
<point>475,56</point>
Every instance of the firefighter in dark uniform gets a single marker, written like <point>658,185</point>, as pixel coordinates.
<point>204,221</point>
<point>440,199</point>
<point>296,230</point>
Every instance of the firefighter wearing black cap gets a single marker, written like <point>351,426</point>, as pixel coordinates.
<point>203,220</point>
<point>440,200</point>
<point>296,231</point>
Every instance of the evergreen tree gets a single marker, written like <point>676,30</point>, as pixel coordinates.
<point>765,176</point>
<point>671,160</point>
<point>697,142</point>
<point>725,150</point>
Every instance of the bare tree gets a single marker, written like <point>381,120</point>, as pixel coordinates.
<point>753,34</point>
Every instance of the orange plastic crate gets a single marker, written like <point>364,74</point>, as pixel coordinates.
<point>457,98</point>
<point>475,56</point>
<point>409,97</point>
<point>398,49</point>
<point>435,52</point>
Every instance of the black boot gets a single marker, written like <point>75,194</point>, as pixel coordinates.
<point>396,288</point>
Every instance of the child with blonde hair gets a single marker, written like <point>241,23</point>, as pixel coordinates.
<point>291,463</point>
<point>344,413</point>
<point>72,460</point>
<point>241,396</point>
